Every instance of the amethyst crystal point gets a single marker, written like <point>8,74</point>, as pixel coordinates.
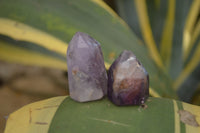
<point>128,81</point>
<point>86,70</point>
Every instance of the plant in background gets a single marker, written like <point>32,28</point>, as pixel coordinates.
<point>170,29</point>
<point>163,34</point>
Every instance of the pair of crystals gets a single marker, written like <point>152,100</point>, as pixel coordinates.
<point>127,82</point>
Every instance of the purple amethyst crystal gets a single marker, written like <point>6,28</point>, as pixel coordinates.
<point>86,70</point>
<point>128,81</point>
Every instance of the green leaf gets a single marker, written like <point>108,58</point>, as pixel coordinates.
<point>192,46</point>
<point>192,28</point>
<point>167,24</point>
<point>188,88</point>
<point>175,29</point>
<point>103,116</point>
<point>51,24</point>
<point>34,117</point>
<point>188,80</point>
<point>129,14</point>
<point>21,52</point>
<point>136,15</point>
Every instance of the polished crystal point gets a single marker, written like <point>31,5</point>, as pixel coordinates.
<point>128,81</point>
<point>86,70</point>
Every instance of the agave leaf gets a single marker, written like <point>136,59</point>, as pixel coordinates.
<point>191,31</point>
<point>129,14</point>
<point>35,117</point>
<point>190,65</point>
<point>192,46</point>
<point>167,24</point>
<point>20,31</point>
<point>21,52</point>
<point>188,88</point>
<point>188,80</point>
<point>51,24</point>
<point>65,115</point>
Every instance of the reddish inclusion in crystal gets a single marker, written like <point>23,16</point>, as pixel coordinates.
<point>128,81</point>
